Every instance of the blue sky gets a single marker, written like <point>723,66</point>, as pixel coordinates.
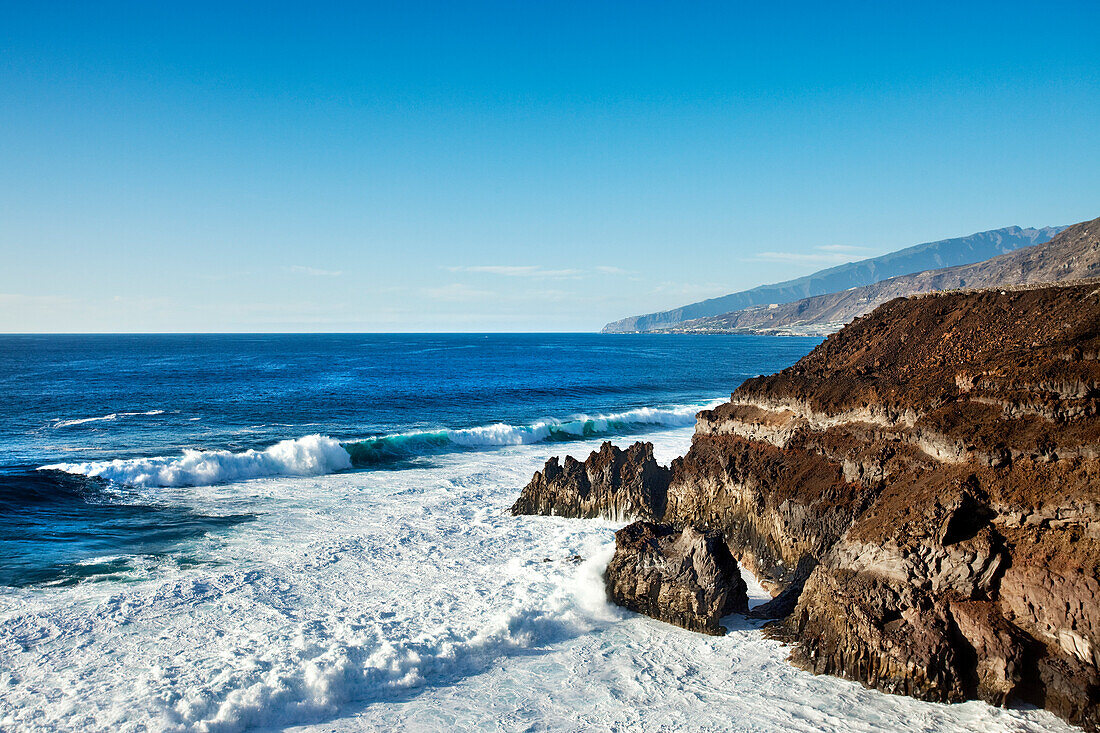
<point>516,166</point>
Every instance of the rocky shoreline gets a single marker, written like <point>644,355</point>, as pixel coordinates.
<point>921,494</point>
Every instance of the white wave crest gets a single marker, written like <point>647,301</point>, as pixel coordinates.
<point>680,416</point>
<point>103,418</point>
<point>312,455</point>
<point>500,434</point>
<point>576,426</point>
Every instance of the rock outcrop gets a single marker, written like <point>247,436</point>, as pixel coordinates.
<point>922,494</point>
<point>612,483</point>
<point>683,576</point>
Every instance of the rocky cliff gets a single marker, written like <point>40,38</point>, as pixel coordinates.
<point>922,493</point>
<point>1072,255</point>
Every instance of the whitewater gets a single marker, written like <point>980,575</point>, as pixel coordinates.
<point>402,599</point>
<point>316,454</point>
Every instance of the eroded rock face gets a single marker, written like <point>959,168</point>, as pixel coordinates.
<point>683,576</point>
<point>892,639</point>
<point>776,507</point>
<point>970,423</point>
<point>612,483</point>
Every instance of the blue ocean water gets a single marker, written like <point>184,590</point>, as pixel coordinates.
<point>114,413</point>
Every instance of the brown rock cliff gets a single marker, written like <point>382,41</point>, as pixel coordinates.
<point>931,476</point>
<point>611,483</point>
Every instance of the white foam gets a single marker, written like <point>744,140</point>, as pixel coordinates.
<point>408,600</point>
<point>673,416</point>
<point>103,418</point>
<point>318,454</point>
<point>577,426</point>
<point>309,456</point>
<point>500,434</point>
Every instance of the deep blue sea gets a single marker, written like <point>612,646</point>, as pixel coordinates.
<point>118,413</point>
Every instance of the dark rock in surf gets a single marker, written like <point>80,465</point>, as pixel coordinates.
<point>612,483</point>
<point>682,576</point>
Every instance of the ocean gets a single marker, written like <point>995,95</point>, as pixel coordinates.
<point>238,532</point>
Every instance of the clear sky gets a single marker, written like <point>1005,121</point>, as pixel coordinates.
<point>519,166</point>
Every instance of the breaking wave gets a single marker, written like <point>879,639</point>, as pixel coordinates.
<point>315,455</point>
<point>312,455</point>
<point>387,448</point>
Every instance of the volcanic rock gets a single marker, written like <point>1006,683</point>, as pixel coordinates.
<point>611,483</point>
<point>683,576</point>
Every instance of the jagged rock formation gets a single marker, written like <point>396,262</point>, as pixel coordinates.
<point>611,483</point>
<point>931,476</point>
<point>929,256</point>
<point>682,576</point>
<point>1072,255</point>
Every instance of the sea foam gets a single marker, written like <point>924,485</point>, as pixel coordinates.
<point>314,455</point>
<point>103,418</point>
<point>579,426</point>
<point>384,448</point>
<point>411,600</point>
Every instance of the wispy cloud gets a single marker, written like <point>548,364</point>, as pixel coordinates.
<point>691,290</point>
<point>849,248</point>
<point>805,258</point>
<point>826,254</point>
<point>457,291</point>
<point>19,299</point>
<point>516,271</point>
<point>313,271</point>
<point>462,292</point>
<point>536,271</point>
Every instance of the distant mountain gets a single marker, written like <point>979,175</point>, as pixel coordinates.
<point>920,257</point>
<point>1073,254</point>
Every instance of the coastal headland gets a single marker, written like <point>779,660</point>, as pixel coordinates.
<point>921,494</point>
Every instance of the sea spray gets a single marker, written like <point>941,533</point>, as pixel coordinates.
<point>314,455</point>
<point>408,599</point>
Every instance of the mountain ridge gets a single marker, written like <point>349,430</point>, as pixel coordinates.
<point>916,258</point>
<point>1073,254</point>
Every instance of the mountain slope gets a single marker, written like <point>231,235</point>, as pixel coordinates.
<point>931,255</point>
<point>1074,254</point>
